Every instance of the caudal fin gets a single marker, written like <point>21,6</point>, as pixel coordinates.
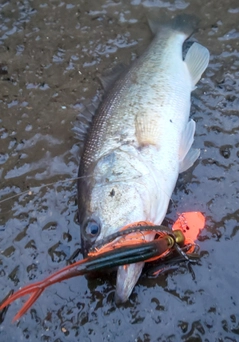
<point>185,23</point>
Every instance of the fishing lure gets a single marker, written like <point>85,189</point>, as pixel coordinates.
<point>122,248</point>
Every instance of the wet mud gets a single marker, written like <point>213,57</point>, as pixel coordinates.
<point>51,54</point>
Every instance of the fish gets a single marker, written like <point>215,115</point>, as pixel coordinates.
<point>140,140</point>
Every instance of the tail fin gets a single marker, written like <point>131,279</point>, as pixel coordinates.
<point>185,23</point>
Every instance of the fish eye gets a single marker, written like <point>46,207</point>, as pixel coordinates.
<point>92,228</point>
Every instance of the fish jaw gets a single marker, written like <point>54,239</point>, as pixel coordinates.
<point>127,277</point>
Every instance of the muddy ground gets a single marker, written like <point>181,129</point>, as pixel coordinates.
<point>51,54</point>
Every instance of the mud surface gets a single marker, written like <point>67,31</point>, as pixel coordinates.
<point>50,56</point>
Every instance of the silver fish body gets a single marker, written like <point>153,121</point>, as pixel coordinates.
<point>140,140</point>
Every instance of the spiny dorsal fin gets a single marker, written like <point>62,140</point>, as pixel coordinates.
<point>87,110</point>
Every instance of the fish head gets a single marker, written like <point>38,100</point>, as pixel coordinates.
<point>107,210</point>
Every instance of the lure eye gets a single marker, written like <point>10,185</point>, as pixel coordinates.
<point>92,229</point>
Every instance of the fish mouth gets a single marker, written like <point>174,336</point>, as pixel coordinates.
<point>127,277</point>
<point>85,247</point>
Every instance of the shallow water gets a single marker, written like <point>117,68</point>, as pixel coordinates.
<point>51,55</point>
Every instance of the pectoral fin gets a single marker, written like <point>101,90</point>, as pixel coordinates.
<point>147,129</point>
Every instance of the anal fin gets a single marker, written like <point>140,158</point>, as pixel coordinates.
<point>187,139</point>
<point>189,159</point>
<point>187,154</point>
<point>197,59</point>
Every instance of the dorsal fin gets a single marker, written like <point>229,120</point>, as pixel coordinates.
<point>83,120</point>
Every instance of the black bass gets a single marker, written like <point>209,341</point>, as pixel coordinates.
<point>139,141</point>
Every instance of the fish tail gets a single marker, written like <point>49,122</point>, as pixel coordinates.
<point>184,23</point>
